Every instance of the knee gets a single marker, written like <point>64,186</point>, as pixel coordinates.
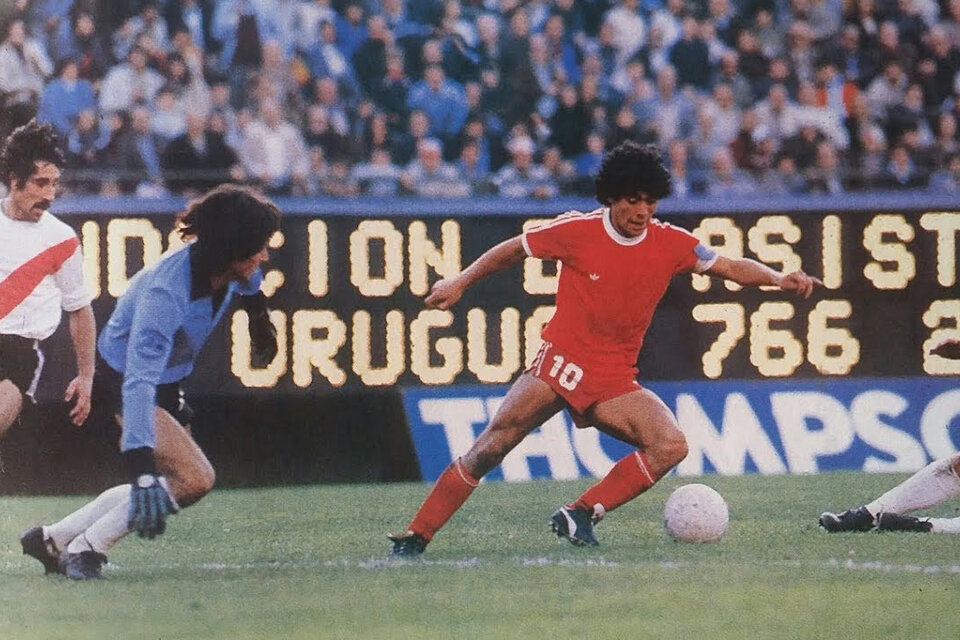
<point>673,448</point>
<point>195,484</point>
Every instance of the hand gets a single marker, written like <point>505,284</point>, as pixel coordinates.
<point>444,294</point>
<point>80,388</point>
<point>263,339</point>
<point>150,504</point>
<point>949,348</point>
<point>800,282</point>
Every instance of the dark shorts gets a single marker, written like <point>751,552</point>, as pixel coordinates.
<point>20,362</point>
<point>108,393</point>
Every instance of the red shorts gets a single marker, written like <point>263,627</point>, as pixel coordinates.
<point>581,387</point>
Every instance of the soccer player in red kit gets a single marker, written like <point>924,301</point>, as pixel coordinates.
<point>617,263</point>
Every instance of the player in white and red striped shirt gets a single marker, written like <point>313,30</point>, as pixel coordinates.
<point>617,262</point>
<point>40,274</point>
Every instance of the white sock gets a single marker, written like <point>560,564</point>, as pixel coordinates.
<point>930,486</point>
<point>63,532</point>
<point>105,532</point>
<point>945,525</point>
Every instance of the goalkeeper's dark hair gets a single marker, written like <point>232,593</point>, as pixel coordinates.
<point>27,145</point>
<point>631,169</point>
<point>230,223</point>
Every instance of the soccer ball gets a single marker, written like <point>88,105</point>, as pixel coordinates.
<point>695,513</point>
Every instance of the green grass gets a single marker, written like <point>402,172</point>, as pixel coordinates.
<point>309,562</point>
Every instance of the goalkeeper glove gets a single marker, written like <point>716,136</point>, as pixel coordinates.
<point>263,335</point>
<point>150,502</point>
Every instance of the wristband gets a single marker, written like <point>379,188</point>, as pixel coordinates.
<point>139,462</point>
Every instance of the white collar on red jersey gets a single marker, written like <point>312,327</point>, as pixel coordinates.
<point>618,237</point>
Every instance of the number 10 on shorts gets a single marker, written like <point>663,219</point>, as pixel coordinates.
<point>569,375</point>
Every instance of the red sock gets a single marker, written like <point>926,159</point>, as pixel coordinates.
<point>452,489</point>
<point>627,479</point>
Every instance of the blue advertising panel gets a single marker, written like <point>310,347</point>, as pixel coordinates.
<point>735,427</point>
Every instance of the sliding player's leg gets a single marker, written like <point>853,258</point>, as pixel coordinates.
<point>935,483</point>
<point>638,418</point>
<point>528,404</point>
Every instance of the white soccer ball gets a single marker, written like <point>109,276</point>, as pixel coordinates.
<point>695,513</point>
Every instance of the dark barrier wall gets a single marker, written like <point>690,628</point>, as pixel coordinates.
<point>347,284</point>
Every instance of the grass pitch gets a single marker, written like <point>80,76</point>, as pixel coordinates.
<point>310,562</point>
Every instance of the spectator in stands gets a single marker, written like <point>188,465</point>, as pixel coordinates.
<point>887,90</point>
<point>726,180</point>
<point>825,177</point>
<point>470,166</point>
<point>327,95</point>
<point>945,58</point>
<point>728,73</point>
<point>822,119</point>
<point>667,113</point>
<point>78,40</point>
<point>901,171</point>
<point>562,54</point>
<point>628,28</point>
<point>326,60</point>
<point>782,179</point>
<point>516,43</point>
<point>560,170</point>
<point>947,180</point>
<point>24,67</point>
<point>723,113</point>
<point>950,23</point>
<point>86,141</point>
<point>64,98</point>
<point>379,176</point>
<point>489,49</point>
<point>777,115</point>
<point>890,47</point>
<point>199,159</point>
<point>668,20</point>
<point>569,123</point>
<point>309,14</point>
<point>192,16</point>
<point>745,146</point>
<point>690,57</point>
<point>148,21</point>
<point>404,143</point>
<point>370,58</point>
<point>168,118</point>
<point>129,83</point>
<point>587,164</point>
<point>429,176</point>
<point>391,97</point>
<point>910,115</point>
<point>319,133</point>
<point>240,27</point>
<point>851,61</point>
<point>274,153</point>
<point>189,88</point>
<point>133,155</point>
<point>522,178</point>
<point>947,143</point>
<point>442,100</point>
<point>682,182</point>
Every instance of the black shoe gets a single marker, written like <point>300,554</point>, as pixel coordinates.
<point>407,544</point>
<point>576,525</point>
<point>850,520</point>
<point>85,565</point>
<point>45,551</point>
<point>894,522</point>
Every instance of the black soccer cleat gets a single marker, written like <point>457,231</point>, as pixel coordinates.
<point>407,543</point>
<point>895,522</point>
<point>576,525</point>
<point>45,551</point>
<point>86,565</point>
<point>850,520</point>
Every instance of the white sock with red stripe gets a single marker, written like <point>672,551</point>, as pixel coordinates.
<point>628,478</point>
<point>63,532</point>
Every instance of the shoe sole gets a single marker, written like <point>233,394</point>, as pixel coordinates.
<point>577,542</point>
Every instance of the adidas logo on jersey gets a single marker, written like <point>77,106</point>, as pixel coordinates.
<point>594,276</point>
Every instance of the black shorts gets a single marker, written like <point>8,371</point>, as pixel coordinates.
<point>108,394</point>
<point>20,362</point>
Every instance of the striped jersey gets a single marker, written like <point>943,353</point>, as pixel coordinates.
<point>41,272</point>
<point>610,284</point>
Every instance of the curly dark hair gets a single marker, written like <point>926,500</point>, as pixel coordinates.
<point>230,223</point>
<point>24,148</point>
<point>631,169</point>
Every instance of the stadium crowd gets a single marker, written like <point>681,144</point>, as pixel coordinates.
<point>518,98</point>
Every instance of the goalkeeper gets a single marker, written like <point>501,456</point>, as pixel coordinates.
<point>147,349</point>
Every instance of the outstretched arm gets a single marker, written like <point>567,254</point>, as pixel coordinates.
<point>445,293</point>
<point>747,272</point>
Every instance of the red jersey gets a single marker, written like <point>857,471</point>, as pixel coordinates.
<point>610,284</point>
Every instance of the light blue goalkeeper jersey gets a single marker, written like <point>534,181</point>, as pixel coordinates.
<point>156,331</point>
